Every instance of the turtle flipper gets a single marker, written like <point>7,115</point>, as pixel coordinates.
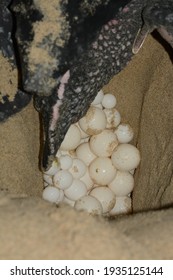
<point>156,15</point>
<point>12,100</point>
<point>9,108</point>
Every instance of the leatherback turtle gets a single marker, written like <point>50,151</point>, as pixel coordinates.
<point>63,92</point>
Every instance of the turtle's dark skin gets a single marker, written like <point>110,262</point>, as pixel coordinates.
<point>64,92</point>
<point>9,105</point>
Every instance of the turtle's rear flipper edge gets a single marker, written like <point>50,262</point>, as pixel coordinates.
<point>9,108</point>
<point>10,102</point>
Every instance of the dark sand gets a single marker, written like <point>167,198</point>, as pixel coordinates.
<point>34,229</point>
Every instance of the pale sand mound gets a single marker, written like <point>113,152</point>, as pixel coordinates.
<point>32,228</point>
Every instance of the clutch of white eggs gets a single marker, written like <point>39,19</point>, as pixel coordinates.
<point>95,163</point>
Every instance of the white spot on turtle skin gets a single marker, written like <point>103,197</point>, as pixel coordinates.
<point>113,22</point>
<point>95,45</point>
<point>78,89</point>
<point>100,37</point>
<point>118,36</point>
<point>117,62</point>
<point>106,37</point>
<point>113,30</point>
<point>125,9</point>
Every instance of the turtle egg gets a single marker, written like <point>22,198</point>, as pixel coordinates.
<point>93,122</point>
<point>124,133</point>
<point>89,204</point>
<point>52,194</point>
<point>65,162</point>
<point>109,101</point>
<point>103,144</point>
<point>87,180</point>
<point>125,157</point>
<point>122,184</point>
<point>84,153</point>
<point>63,179</point>
<point>76,190</point>
<point>123,205</point>
<point>72,138</point>
<point>102,171</point>
<point>53,169</point>
<point>105,196</point>
<point>98,98</point>
<point>78,168</point>
<point>113,118</point>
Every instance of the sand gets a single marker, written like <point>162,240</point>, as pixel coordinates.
<point>34,229</point>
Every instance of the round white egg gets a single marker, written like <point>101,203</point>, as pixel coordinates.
<point>78,168</point>
<point>98,99</point>
<point>62,179</point>
<point>72,138</point>
<point>122,184</point>
<point>123,205</point>
<point>109,101</point>
<point>102,171</point>
<point>65,162</point>
<point>87,180</point>
<point>53,169</point>
<point>105,196</point>
<point>103,144</point>
<point>84,153</point>
<point>93,122</point>
<point>125,157</point>
<point>76,190</point>
<point>124,133</point>
<point>113,118</point>
<point>51,194</point>
<point>89,204</point>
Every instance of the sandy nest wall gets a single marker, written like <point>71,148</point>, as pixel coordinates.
<point>32,228</point>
